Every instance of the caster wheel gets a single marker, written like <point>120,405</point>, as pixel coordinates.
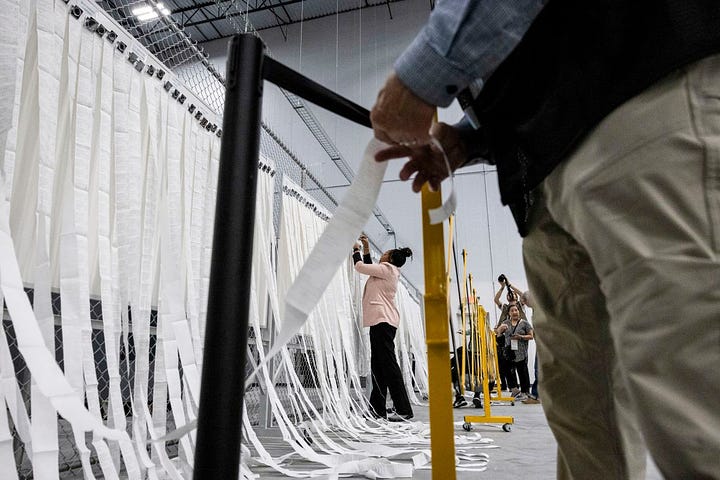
<point>512,404</point>
<point>467,426</point>
<point>507,427</point>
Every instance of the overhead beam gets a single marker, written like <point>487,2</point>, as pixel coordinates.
<point>347,10</point>
<point>198,6</point>
<point>271,6</point>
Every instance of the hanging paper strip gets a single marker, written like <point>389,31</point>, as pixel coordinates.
<point>331,250</point>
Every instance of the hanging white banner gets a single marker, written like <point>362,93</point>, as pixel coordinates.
<point>343,229</point>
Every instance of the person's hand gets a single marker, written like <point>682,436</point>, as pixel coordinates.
<point>516,337</point>
<point>364,240</point>
<point>426,160</point>
<point>356,246</point>
<point>399,116</point>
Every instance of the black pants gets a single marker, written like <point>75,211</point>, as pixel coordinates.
<point>522,371</point>
<point>386,373</point>
<point>457,361</point>
<point>508,378</point>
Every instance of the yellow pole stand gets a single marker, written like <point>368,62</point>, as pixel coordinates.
<point>487,417</point>
<point>463,304</point>
<point>482,343</point>
<point>498,379</point>
<point>473,328</point>
<point>442,437</point>
<point>476,365</point>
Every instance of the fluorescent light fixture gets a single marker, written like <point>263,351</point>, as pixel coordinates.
<point>147,16</point>
<point>143,9</point>
<point>145,12</point>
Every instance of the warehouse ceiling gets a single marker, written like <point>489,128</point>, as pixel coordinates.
<point>208,20</point>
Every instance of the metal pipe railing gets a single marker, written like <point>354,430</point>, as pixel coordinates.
<point>217,453</point>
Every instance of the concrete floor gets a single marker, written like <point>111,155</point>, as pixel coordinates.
<point>527,451</point>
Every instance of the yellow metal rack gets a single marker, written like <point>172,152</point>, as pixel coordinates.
<point>483,327</point>
<point>442,436</point>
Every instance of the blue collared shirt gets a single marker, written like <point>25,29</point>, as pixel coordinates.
<point>462,43</point>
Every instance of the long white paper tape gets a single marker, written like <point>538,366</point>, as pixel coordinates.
<point>444,211</point>
<point>42,366</point>
<point>342,230</point>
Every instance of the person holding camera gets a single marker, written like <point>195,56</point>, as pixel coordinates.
<point>383,318</point>
<point>517,333</point>
<point>508,376</point>
<point>513,294</point>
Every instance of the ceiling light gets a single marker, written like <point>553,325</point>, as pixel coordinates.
<point>146,12</point>
<point>147,16</point>
<point>163,9</point>
<point>142,10</point>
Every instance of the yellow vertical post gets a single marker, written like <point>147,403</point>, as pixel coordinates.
<point>483,358</point>
<point>464,303</point>
<point>471,321</point>
<point>442,437</point>
<point>487,416</point>
<point>476,342</point>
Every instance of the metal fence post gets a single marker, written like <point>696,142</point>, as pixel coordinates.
<point>217,453</point>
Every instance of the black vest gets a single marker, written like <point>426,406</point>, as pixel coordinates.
<point>579,61</point>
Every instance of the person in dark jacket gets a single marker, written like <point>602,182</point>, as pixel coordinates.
<point>603,121</point>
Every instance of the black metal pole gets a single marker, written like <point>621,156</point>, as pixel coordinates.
<point>297,83</point>
<point>217,455</point>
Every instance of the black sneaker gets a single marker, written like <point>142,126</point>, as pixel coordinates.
<point>477,402</point>
<point>459,402</point>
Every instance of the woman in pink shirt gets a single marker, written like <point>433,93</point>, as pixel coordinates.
<point>383,318</point>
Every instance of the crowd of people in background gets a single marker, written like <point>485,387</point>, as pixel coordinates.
<point>513,333</point>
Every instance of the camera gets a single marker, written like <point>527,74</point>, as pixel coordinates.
<point>502,278</point>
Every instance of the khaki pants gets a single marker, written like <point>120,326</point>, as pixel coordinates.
<point>623,262</point>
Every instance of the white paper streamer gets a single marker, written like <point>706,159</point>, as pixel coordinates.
<point>345,226</point>
<point>44,416</point>
<point>41,364</point>
<point>444,211</point>
<point>7,457</point>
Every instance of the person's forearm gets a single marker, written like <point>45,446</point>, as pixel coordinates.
<point>366,253</point>
<point>514,289</point>
<point>497,297</point>
<point>463,41</point>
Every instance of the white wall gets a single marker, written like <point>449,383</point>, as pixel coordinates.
<point>352,54</point>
